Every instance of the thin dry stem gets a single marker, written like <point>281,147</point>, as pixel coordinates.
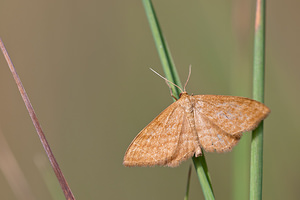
<point>63,183</point>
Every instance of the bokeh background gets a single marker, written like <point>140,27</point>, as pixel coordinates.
<point>85,66</point>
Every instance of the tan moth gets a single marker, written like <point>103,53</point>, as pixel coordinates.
<point>210,122</point>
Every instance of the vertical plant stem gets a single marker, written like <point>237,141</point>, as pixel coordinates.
<point>171,75</point>
<point>162,48</point>
<point>256,166</point>
<point>203,176</point>
<point>188,184</point>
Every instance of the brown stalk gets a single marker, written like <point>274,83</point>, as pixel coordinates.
<point>62,181</point>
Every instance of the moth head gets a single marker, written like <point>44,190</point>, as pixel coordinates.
<point>183,94</point>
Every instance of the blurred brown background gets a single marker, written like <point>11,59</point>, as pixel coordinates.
<point>85,66</point>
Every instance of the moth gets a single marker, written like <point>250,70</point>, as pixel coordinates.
<point>191,123</point>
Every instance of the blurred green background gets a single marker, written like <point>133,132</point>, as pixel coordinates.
<point>85,66</point>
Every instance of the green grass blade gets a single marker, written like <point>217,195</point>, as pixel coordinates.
<point>256,165</point>
<point>188,183</point>
<point>204,177</point>
<point>171,75</point>
<point>162,48</point>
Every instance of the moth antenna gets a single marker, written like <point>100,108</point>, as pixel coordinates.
<point>188,78</point>
<point>166,80</point>
<point>171,92</point>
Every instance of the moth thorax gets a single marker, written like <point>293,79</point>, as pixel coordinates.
<point>187,103</point>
